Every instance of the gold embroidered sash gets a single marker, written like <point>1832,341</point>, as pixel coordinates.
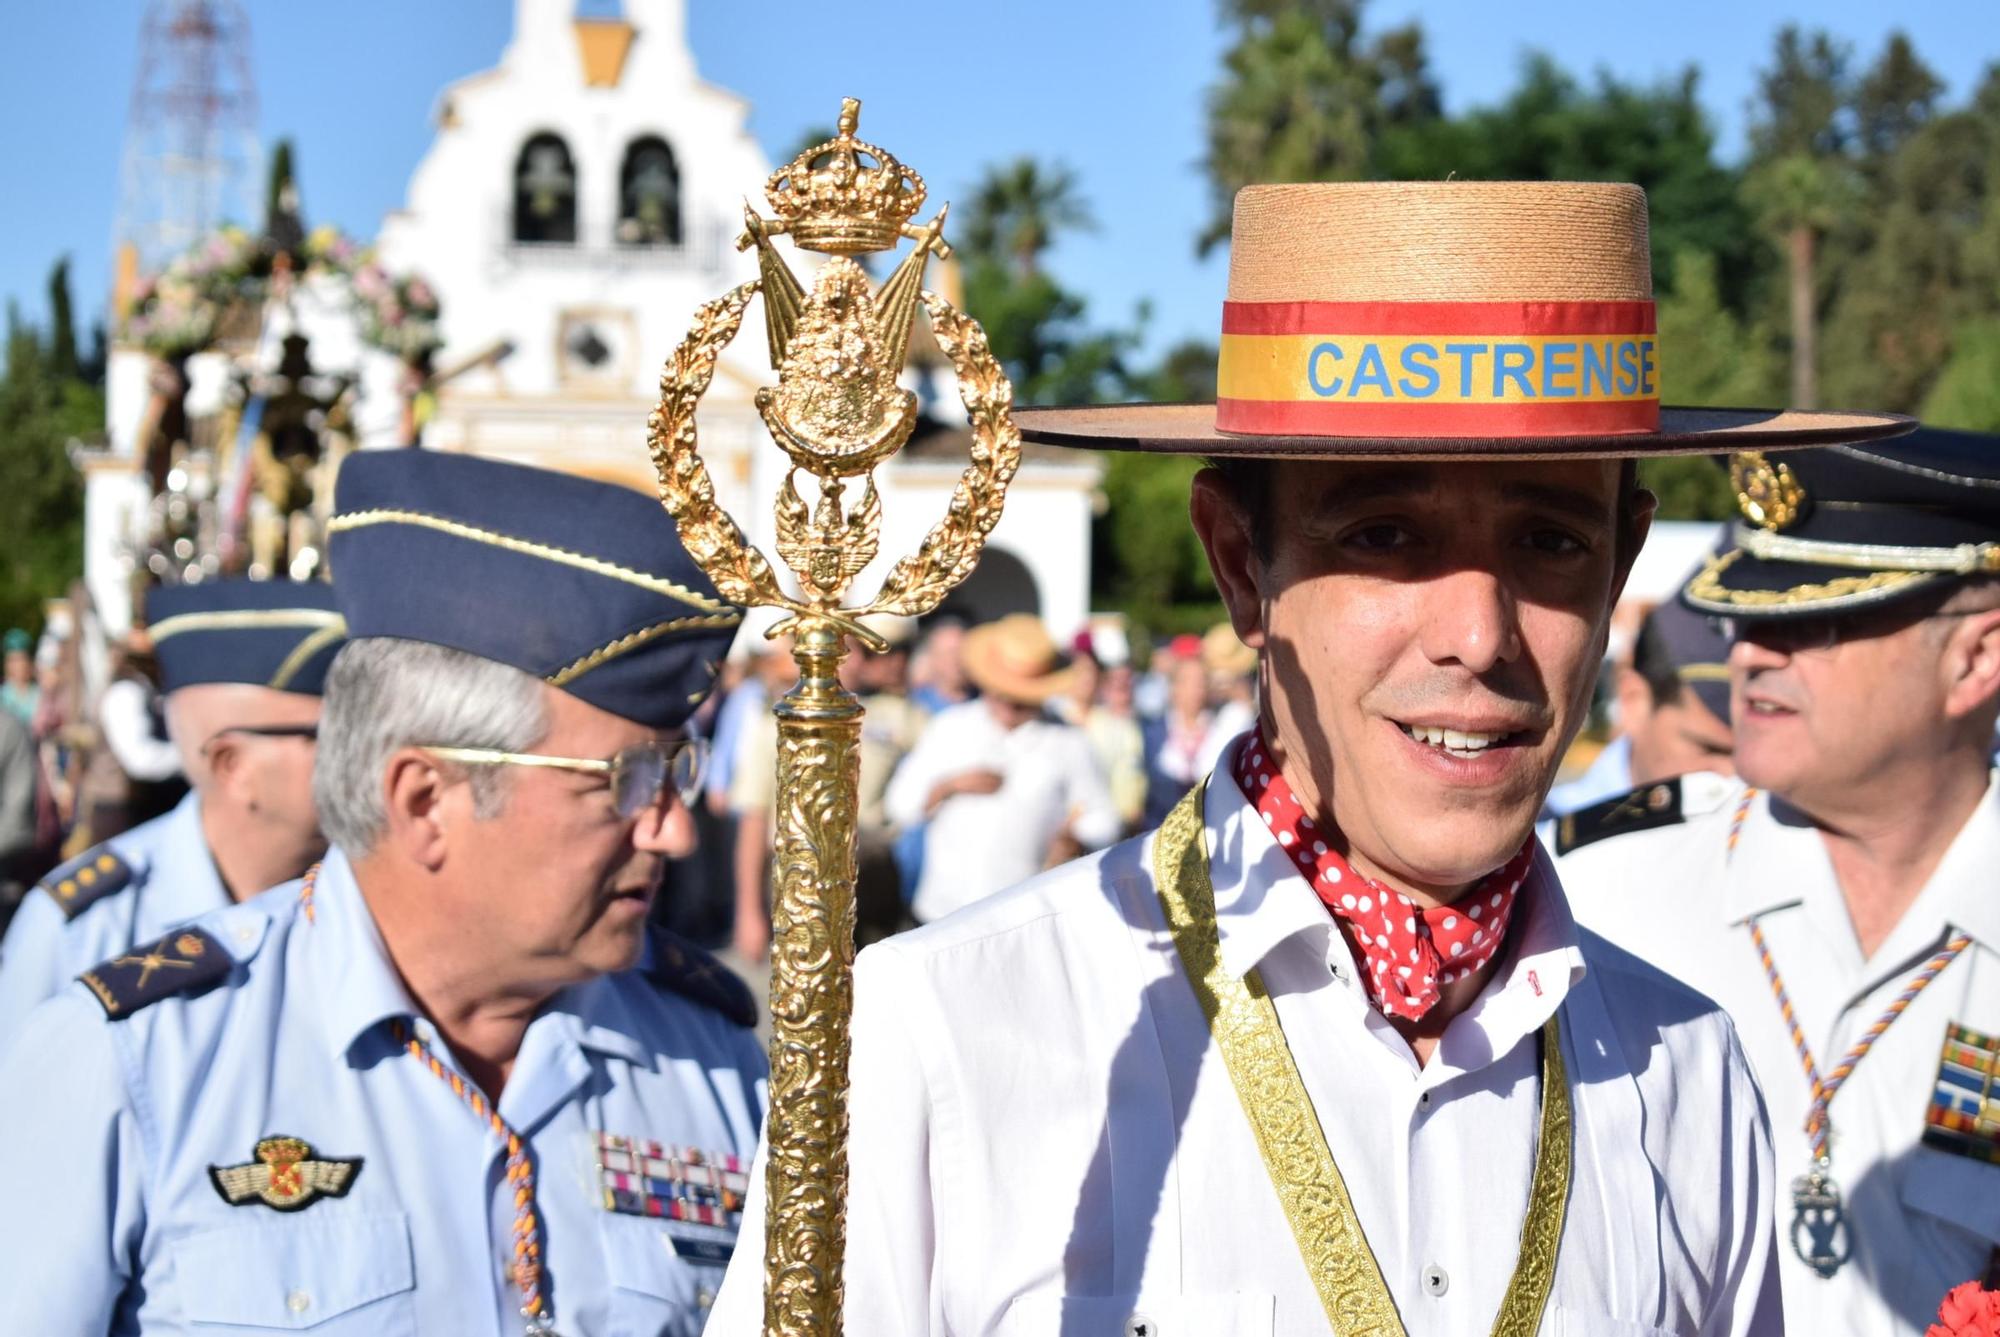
<point>1244,1022</point>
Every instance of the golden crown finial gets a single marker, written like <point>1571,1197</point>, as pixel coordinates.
<point>845,196</point>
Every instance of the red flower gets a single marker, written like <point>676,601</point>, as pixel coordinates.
<point>1968,1311</point>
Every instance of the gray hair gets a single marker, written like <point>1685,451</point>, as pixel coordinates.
<point>383,695</point>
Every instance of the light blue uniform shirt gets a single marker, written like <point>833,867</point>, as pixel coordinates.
<point>174,880</point>
<point>1608,775</point>
<point>115,1223</point>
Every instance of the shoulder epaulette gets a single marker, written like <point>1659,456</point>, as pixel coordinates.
<point>689,971</point>
<point>1642,809</point>
<point>87,879</point>
<point>184,961</point>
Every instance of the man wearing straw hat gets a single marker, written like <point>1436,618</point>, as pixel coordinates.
<point>1839,901</point>
<point>1001,787</point>
<point>1327,1051</point>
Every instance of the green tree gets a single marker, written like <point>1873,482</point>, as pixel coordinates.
<point>1894,99</point>
<point>62,324</point>
<point>1145,559</point>
<point>1037,328</point>
<point>1303,97</point>
<point>1710,357</point>
<point>1553,128</point>
<point>1909,266</point>
<point>1798,187</point>
<point>1017,210</point>
<point>281,194</point>
<point>41,494</point>
<point>1967,391</point>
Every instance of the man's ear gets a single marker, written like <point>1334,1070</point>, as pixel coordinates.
<point>223,765</point>
<point>1972,663</point>
<point>1224,530</point>
<point>413,793</point>
<point>1635,700</point>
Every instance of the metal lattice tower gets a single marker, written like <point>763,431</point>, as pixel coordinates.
<point>192,160</point>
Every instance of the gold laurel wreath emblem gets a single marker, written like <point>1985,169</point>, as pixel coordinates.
<point>917,583</point>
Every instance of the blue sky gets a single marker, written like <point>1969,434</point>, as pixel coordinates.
<point>1113,88</point>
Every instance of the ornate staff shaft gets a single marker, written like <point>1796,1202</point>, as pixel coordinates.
<point>838,412</point>
<point>812,992</point>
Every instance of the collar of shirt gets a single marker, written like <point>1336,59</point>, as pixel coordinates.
<point>182,881</point>
<point>361,989</point>
<point>1782,862</point>
<point>1261,902</point>
<point>1609,773</point>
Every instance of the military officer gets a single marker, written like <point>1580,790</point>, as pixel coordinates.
<point>241,664</point>
<point>1673,706</point>
<point>1839,901</point>
<point>450,1082</point>
<point>1327,1050</point>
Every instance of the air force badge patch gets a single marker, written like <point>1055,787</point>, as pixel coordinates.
<point>286,1176</point>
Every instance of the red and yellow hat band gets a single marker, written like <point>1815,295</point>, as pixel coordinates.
<point>1438,369</point>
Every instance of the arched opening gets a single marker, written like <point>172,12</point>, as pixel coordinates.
<point>545,191</point>
<point>999,585</point>
<point>649,195</point>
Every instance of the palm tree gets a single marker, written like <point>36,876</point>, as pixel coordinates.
<point>1016,210</point>
<point>1798,198</point>
<point>1798,183</point>
<point>1304,98</point>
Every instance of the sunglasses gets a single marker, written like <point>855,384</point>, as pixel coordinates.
<point>309,732</point>
<point>639,775</point>
<point>1808,635</point>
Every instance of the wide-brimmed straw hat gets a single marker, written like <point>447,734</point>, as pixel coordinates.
<point>1470,320</point>
<point>1015,659</point>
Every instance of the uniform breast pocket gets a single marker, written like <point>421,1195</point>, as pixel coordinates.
<point>332,1274</point>
<point>1952,1207</point>
<point>1237,1314</point>
<point>659,1288</point>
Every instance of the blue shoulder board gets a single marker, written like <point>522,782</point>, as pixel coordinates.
<point>1643,809</point>
<point>87,879</point>
<point>184,961</point>
<point>687,970</point>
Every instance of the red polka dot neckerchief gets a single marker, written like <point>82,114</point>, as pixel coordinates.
<point>526,1269</point>
<point>1406,952</point>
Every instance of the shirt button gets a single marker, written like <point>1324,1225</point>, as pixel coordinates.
<point>705,1298</point>
<point>1424,1100</point>
<point>245,933</point>
<point>1140,1326</point>
<point>1436,1282</point>
<point>298,1302</point>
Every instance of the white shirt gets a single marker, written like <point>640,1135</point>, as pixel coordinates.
<point>124,713</point>
<point>1922,1220</point>
<point>1044,1139</point>
<point>975,844</point>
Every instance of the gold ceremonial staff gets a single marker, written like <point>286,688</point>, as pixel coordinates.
<point>838,413</point>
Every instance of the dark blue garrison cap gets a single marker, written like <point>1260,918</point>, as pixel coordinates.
<point>280,634</point>
<point>583,584</point>
<point>1847,528</point>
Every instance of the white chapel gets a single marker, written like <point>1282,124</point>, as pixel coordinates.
<point>579,202</point>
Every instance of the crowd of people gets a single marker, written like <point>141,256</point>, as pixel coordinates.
<point>1268,985</point>
<point>989,753</point>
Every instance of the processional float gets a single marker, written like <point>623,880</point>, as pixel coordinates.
<point>837,412</point>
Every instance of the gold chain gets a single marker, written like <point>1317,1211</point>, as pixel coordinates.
<point>1289,1137</point>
